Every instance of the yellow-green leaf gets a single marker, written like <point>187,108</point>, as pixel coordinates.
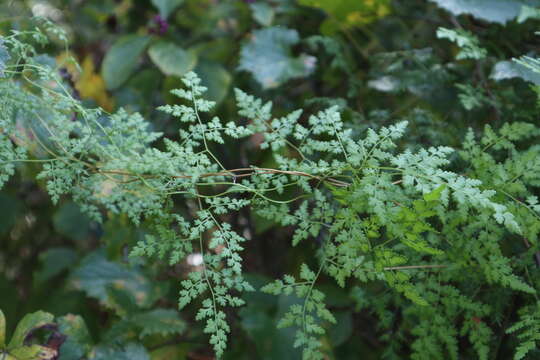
<point>2,330</point>
<point>33,352</point>
<point>171,59</point>
<point>435,194</point>
<point>27,324</point>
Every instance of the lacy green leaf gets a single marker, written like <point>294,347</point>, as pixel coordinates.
<point>510,69</point>
<point>4,57</point>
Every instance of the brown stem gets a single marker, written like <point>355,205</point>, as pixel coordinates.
<point>235,173</point>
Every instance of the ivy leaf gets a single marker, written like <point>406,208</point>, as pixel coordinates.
<point>267,56</point>
<point>509,70</point>
<point>499,11</point>
<point>121,59</point>
<point>172,59</point>
<point>4,57</point>
<point>28,323</point>
<point>166,7</point>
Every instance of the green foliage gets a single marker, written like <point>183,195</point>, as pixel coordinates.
<point>19,347</point>
<point>529,330</point>
<point>166,7</point>
<point>340,182</point>
<point>267,56</point>
<point>498,12</point>
<point>171,59</point>
<point>468,43</point>
<point>121,61</point>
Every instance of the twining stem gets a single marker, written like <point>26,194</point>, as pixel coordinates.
<point>235,173</point>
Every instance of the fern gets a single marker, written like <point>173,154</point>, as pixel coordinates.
<point>528,327</point>
<point>380,213</point>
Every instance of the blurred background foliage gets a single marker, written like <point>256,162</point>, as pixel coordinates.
<point>379,60</point>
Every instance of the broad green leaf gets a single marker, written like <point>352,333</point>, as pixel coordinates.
<point>78,342</point>
<point>509,70</point>
<point>498,11</point>
<point>267,56</point>
<point>2,330</point>
<point>172,59</point>
<point>263,13</point>
<point>4,57</point>
<point>177,352</point>
<point>122,301</point>
<point>219,50</point>
<point>122,58</point>
<point>53,262</point>
<point>130,351</point>
<point>11,208</point>
<point>71,222</point>
<point>214,76</point>
<point>166,7</point>
<point>28,323</point>
<point>96,274</point>
<point>348,13</point>
<point>159,321</point>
